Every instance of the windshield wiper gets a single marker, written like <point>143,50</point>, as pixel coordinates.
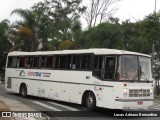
<point>142,73</point>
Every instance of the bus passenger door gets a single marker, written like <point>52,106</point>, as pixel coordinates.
<point>98,73</point>
<point>109,68</point>
<point>108,78</point>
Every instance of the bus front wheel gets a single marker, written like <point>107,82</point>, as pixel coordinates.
<point>23,90</point>
<point>91,101</point>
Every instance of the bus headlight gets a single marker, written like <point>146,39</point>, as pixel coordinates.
<point>125,92</point>
<point>151,91</point>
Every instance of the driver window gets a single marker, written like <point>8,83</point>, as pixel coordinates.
<point>109,68</point>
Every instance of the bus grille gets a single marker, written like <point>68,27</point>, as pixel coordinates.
<point>139,92</point>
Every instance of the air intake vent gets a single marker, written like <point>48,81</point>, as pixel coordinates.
<point>139,92</point>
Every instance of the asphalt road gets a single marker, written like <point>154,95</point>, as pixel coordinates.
<point>67,111</point>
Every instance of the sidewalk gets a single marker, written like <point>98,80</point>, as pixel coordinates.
<point>7,104</point>
<point>157,99</point>
<point>13,105</point>
<point>4,107</point>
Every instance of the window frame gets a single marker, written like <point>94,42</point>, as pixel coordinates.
<point>80,69</point>
<point>59,61</point>
<point>55,67</point>
<point>102,74</point>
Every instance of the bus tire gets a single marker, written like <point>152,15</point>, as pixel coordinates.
<point>23,90</point>
<point>91,101</point>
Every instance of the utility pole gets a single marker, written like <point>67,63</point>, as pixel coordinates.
<point>155,7</point>
<point>153,51</point>
<point>153,40</point>
<point>154,21</point>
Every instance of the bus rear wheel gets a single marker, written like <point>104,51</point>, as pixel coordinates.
<point>23,90</point>
<point>91,102</point>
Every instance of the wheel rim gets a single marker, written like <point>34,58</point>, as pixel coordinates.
<point>89,101</point>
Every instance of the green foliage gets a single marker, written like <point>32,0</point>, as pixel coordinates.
<point>62,14</point>
<point>5,44</point>
<point>132,39</point>
<point>105,35</point>
<point>151,31</point>
<point>29,22</point>
<point>67,44</point>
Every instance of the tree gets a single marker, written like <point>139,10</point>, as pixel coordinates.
<point>98,10</point>
<point>105,35</point>
<point>67,44</point>
<point>77,34</point>
<point>4,28</point>
<point>132,38</point>
<point>151,31</point>
<point>51,20</point>
<point>62,14</point>
<point>5,44</point>
<point>28,22</point>
<point>37,22</point>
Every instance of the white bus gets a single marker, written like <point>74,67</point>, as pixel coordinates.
<point>107,78</point>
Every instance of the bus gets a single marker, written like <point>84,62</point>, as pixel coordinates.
<point>106,78</point>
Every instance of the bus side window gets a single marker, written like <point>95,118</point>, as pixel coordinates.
<point>10,59</point>
<point>43,62</point>
<point>49,62</point>
<point>81,62</point>
<point>18,62</point>
<point>21,62</point>
<point>68,62</point>
<point>98,66</point>
<point>53,62</point>
<point>86,60</point>
<point>14,62</point>
<point>30,61</point>
<point>78,61</point>
<point>73,65</point>
<point>25,61</point>
<point>57,62</point>
<point>36,62</point>
<point>62,61</point>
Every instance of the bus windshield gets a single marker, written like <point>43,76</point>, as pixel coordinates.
<point>132,67</point>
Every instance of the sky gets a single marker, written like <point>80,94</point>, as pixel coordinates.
<point>136,9</point>
<point>127,9</point>
<point>7,6</point>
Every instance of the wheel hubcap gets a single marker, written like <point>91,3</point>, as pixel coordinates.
<point>23,91</point>
<point>90,101</point>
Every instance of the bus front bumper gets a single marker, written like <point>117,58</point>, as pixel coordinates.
<point>133,103</point>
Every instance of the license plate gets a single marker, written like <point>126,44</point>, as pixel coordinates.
<point>140,102</point>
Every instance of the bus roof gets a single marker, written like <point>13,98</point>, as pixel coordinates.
<point>96,51</point>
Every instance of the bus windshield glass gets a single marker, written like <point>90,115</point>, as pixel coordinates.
<point>145,68</point>
<point>132,67</point>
